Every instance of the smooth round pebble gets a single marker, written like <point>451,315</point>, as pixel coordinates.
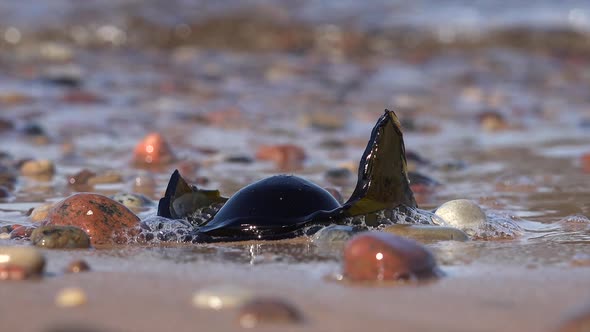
<point>426,233</point>
<point>57,237</point>
<point>28,258</point>
<point>103,219</point>
<point>37,167</point>
<point>107,177</point>
<point>221,297</point>
<point>70,297</point>
<point>40,212</point>
<point>152,150</point>
<point>77,266</point>
<point>462,213</point>
<point>380,256</point>
<point>133,201</point>
<point>263,311</point>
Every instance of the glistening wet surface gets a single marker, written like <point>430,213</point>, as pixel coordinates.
<point>500,121</point>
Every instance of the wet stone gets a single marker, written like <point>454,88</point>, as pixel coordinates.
<point>221,297</point>
<point>463,214</point>
<point>28,258</point>
<point>133,201</point>
<point>80,178</point>
<point>21,232</point>
<point>56,237</point>
<point>41,167</point>
<point>379,256</point>
<point>427,233</point>
<point>70,297</point>
<point>152,150</point>
<point>103,219</point>
<point>40,212</point>
<point>106,177</point>
<point>77,266</point>
<point>333,234</point>
<point>266,311</point>
<point>285,156</point>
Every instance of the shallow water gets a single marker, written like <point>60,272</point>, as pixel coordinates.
<point>213,102</point>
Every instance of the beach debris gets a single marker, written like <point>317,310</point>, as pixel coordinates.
<point>60,237</point>
<point>70,297</point>
<point>224,296</point>
<point>103,219</point>
<point>427,233</point>
<point>153,150</point>
<point>463,214</point>
<point>77,266</point>
<point>267,311</point>
<point>27,258</point>
<point>380,256</point>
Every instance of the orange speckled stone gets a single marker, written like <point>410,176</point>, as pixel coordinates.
<point>378,256</point>
<point>586,163</point>
<point>286,156</point>
<point>153,150</point>
<point>103,219</point>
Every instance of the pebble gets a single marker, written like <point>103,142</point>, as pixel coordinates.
<point>586,162</point>
<point>81,178</point>
<point>324,120</point>
<point>81,97</point>
<point>285,156</point>
<point>264,311</point>
<point>133,201</point>
<point>144,184</point>
<point>28,258</point>
<point>462,213</point>
<point>221,297</point>
<point>40,167</point>
<point>339,176</point>
<point>40,212</point>
<point>427,233</point>
<point>333,234</point>
<point>152,150</point>
<point>106,177</point>
<point>56,237</point>
<point>77,266</point>
<point>379,256</point>
<point>21,232</point>
<point>575,223</point>
<point>492,121</point>
<point>13,272</point>
<point>70,297</point>
<point>103,219</point>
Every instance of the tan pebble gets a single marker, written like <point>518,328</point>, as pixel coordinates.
<point>263,311</point>
<point>427,233</point>
<point>106,178</point>
<point>221,297</point>
<point>70,297</point>
<point>37,167</point>
<point>4,236</point>
<point>77,267</point>
<point>26,257</point>
<point>40,212</point>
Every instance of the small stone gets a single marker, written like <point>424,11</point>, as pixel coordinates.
<point>81,178</point>
<point>339,176</point>
<point>586,163</point>
<point>427,233</point>
<point>41,167</point>
<point>57,237</point>
<point>40,212</point>
<point>221,297</point>
<point>152,150</point>
<point>462,213</point>
<point>28,258</point>
<point>264,311</point>
<point>21,232</point>
<point>575,223</point>
<point>332,234</point>
<point>133,201</point>
<point>70,297</point>
<point>286,156</point>
<point>81,97</point>
<point>103,219</point>
<point>144,184</point>
<point>324,120</point>
<point>379,256</point>
<point>13,272</point>
<point>77,266</point>
<point>492,121</point>
<point>107,177</point>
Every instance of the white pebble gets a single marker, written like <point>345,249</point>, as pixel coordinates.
<point>221,297</point>
<point>462,213</point>
<point>70,297</point>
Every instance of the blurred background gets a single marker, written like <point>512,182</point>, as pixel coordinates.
<point>493,95</point>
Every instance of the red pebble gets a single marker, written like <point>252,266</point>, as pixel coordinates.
<point>377,256</point>
<point>13,272</point>
<point>586,163</point>
<point>21,232</point>
<point>103,219</point>
<point>153,150</point>
<point>286,156</point>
